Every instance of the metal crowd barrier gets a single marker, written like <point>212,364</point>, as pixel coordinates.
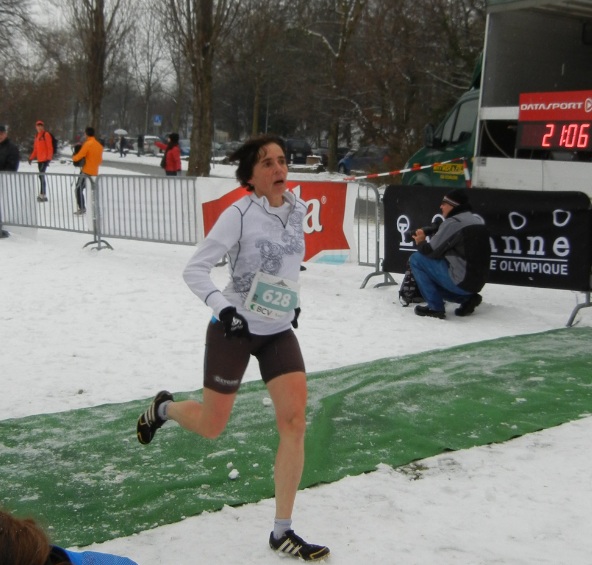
<point>369,218</point>
<point>19,205</point>
<point>158,209</point>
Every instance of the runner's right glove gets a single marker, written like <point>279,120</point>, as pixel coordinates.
<point>234,324</point>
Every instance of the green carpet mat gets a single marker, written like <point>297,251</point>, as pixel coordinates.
<point>84,473</point>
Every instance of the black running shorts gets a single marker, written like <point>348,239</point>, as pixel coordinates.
<point>226,360</point>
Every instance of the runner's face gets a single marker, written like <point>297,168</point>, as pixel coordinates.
<point>270,173</point>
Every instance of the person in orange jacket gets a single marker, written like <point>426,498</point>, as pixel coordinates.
<point>43,152</point>
<point>171,162</point>
<point>92,153</point>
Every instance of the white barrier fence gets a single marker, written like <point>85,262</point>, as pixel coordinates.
<point>344,220</point>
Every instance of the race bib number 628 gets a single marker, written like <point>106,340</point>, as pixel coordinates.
<point>271,296</point>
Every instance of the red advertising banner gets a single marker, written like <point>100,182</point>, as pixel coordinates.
<point>328,225</point>
<point>556,106</point>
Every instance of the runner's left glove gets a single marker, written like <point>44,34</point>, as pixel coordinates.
<point>234,324</point>
<point>295,320</point>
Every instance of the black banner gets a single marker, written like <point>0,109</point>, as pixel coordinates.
<point>538,239</point>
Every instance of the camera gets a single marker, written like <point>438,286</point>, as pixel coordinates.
<point>429,230</point>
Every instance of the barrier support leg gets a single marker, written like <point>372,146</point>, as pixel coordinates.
<point>585,304</point>
<point>388,280</point>
<point>100,243</point>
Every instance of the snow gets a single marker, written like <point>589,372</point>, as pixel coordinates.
<point>81,327</point>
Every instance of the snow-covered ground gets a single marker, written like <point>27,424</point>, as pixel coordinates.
<point>80,328</point>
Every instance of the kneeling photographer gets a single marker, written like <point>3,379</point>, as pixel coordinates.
<point>453,265</point>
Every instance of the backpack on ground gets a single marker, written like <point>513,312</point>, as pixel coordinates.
<point>409,291</point>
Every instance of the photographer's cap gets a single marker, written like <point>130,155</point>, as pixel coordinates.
<point>457,197</point>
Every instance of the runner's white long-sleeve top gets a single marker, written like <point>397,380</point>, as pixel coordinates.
<point>256,237</point>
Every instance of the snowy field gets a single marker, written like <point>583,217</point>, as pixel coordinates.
<point>81,328</point>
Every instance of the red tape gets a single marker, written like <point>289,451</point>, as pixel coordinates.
<point>415,167</point>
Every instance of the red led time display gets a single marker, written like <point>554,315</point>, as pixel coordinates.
<point>555,136</point>
<point>555,121</point>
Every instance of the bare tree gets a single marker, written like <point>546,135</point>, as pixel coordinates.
<point>368,71</point>
<point>332,23</point>
<point>200,25</point>
<point>148,55</point>
<point>179,91</point>
<point>394,54</point>
<point>101,27</point>
<point>413,58</point>
<point>250,69</point>
<point>60,57</point>
<point>37,67</point>
<point>13,19</point>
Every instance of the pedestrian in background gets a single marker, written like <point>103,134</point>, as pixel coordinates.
<point>9,152</point>
<point>140,145</point>
<point>91,153</point>
<point>43,152</point>
<point>171,162</point>
<point>9,161</point>
<point>122,146</point>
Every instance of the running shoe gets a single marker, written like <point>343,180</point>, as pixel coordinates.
<point>291,544</point>
<point>150,421</point>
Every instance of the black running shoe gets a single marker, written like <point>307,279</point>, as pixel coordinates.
<point>150,421</point>
<point>468,307</point>
<point>291,544</point>
<point>427,311</point>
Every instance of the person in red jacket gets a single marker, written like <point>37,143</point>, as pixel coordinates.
<point>171,162</point>
<point>43,152</point>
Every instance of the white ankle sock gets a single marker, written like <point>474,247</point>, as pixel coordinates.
<point>162,409</point>
<point>281,526</point>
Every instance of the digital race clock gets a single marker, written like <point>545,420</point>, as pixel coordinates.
<point>555,121</point>
<point>555,136</point>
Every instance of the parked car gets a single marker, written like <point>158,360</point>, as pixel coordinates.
<point>216,150</point>
<point>149,144</point>
<point>230,147</point>
<point>367,159</point>
<point>184,146</point>
<point>297,150</point>
<point>323,153</point>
